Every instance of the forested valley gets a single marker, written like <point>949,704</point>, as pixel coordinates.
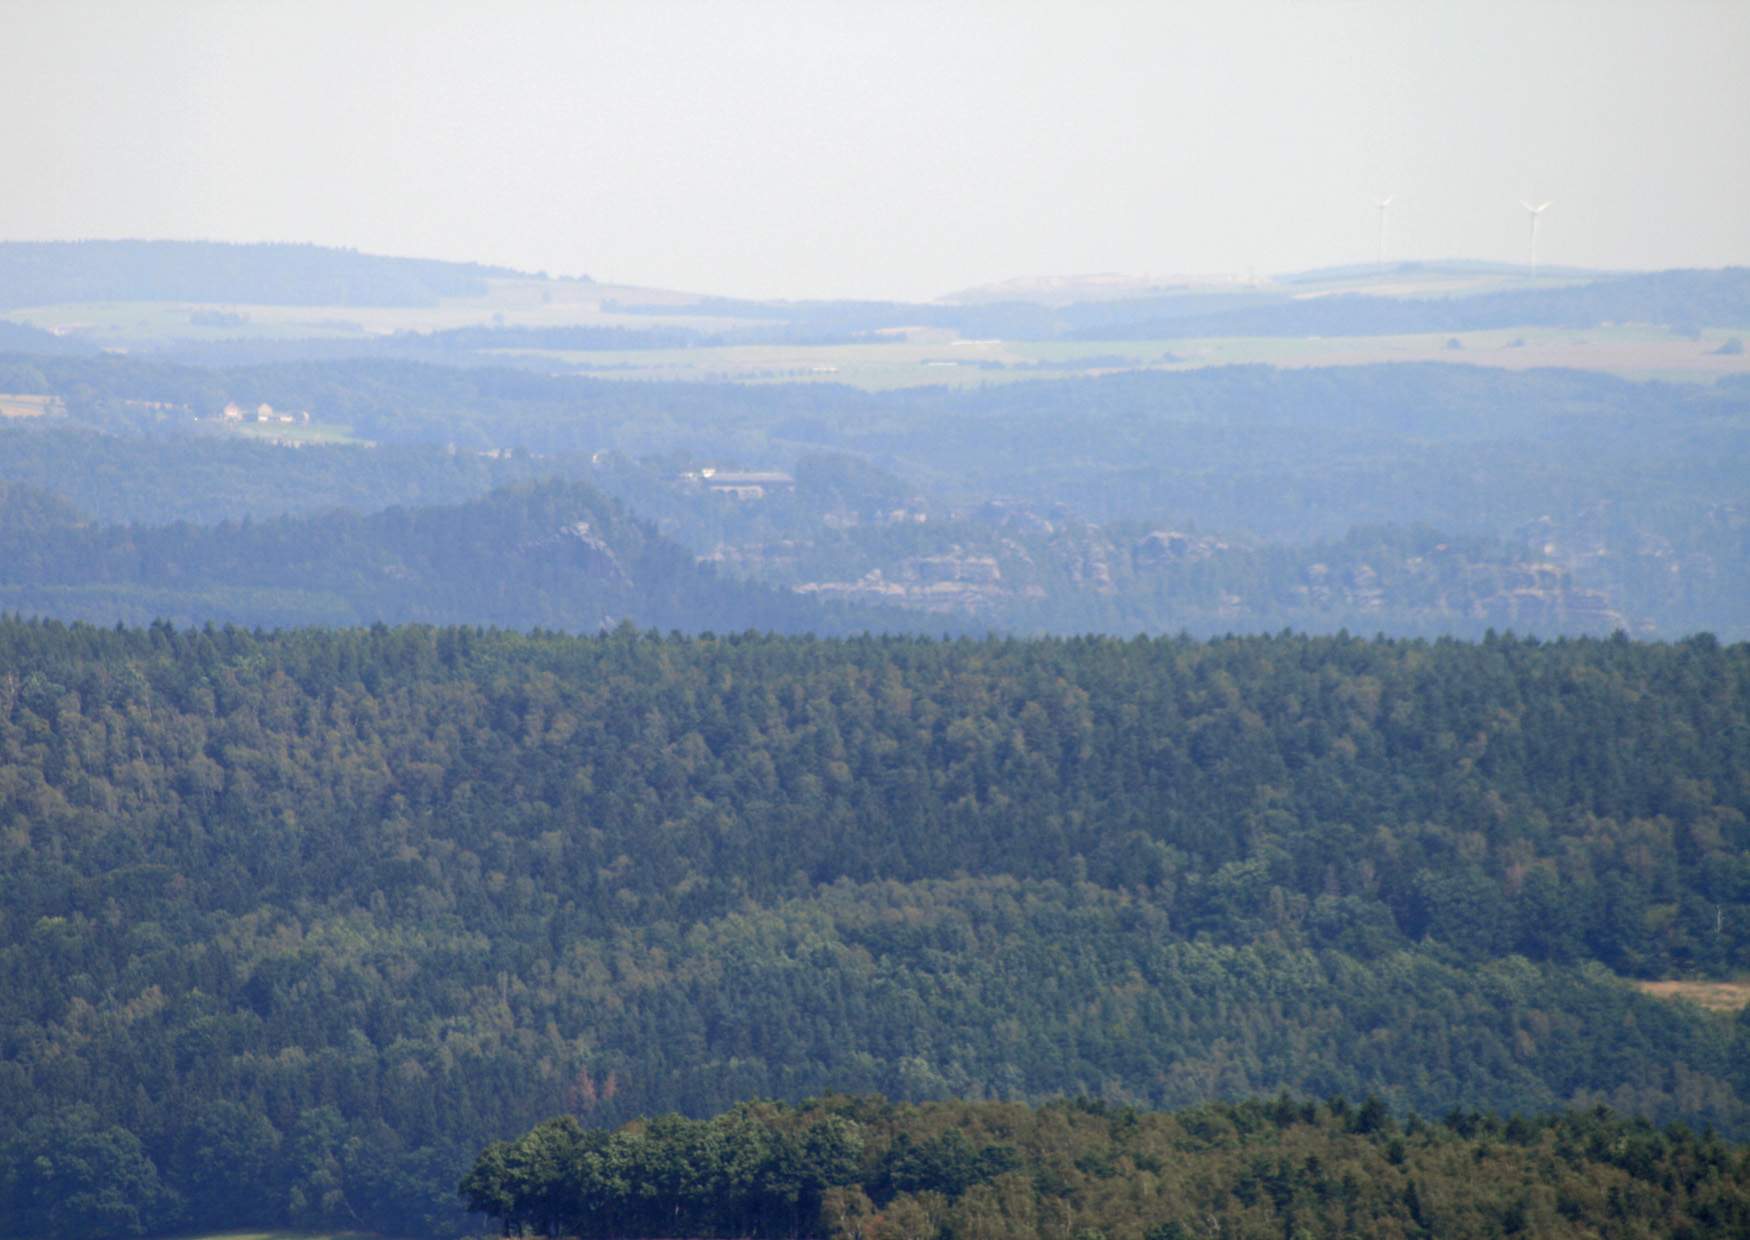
<point>296,924</point>
<point>1417,500</point>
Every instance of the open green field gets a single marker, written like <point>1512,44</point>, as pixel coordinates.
<point>295,434</point>
<point>1433,280</point>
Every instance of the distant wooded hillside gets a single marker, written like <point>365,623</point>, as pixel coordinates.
<point>554,555</point>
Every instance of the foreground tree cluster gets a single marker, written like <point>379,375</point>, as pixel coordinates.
<point>867,1169</point>
<point>292,925</point>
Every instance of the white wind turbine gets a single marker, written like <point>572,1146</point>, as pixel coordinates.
<point>1380,204</point>
<point>1536,210</point>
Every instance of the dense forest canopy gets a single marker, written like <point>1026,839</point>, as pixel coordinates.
<point>856,1168</point>
<point>294,924</point>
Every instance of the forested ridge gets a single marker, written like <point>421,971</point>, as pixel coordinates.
<point>565,555</point>
<point>120,479</point>
<point>864,1169</point>
<point>295,923</point>
<point>553,554</point>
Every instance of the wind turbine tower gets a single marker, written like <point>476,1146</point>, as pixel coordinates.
<point>1380,204</point>
<point>1535,210</point>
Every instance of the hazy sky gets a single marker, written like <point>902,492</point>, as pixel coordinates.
<point>883,148</point>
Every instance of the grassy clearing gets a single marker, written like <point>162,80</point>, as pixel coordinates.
<point>294,433</point>
<point>1714,996</point>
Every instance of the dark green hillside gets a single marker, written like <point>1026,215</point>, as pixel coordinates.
<point>22,338</point>
<point>294,924</point>
<point>163,479</point>
<point>860,1167</point>
<point>1348,429</point>
<point>557,554</point>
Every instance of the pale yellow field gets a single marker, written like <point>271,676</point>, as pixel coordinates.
<point>1714,996</point>
<point>30,406</point>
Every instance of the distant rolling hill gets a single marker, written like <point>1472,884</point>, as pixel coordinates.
<point>43,273</point>
<point>1400,298</point>
<point>1683,299</point>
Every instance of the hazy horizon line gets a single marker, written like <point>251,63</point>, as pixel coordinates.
<point>1143,279</point>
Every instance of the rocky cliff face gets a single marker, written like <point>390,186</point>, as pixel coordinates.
<point>577,545</point>
<point>1658,578</point>
<point>1011,565</point>
<point>954,581</point>
<point>1525,595</point>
